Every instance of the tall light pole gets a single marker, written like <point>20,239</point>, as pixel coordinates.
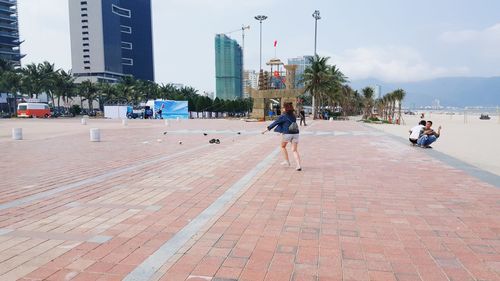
<point>260,18</point>
<point>316,17</point>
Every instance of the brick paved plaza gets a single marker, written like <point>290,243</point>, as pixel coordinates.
<point>141,206</point>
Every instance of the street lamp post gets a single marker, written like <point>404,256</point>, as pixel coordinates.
<point>316,17</point>
<point>260,18</point>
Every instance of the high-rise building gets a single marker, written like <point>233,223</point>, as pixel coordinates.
<point>302,63</point>
<point>251,78</point>
<point>228,68</point>
<point>110,39</point>
<point>9,32</point>
<point>377,91</point>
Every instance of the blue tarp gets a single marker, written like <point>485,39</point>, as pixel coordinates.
<point>172,109</point>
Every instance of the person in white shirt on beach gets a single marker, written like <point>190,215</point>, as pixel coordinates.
<point>416,132</point>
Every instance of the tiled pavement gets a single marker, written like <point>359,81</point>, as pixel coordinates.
<point>365,207</point>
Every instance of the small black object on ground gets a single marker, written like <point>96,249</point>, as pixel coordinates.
<point>485,117</point>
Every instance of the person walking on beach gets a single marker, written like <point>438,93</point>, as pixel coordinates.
<point>416,132</point>
<point>428,136</point>
<point>286,124</point>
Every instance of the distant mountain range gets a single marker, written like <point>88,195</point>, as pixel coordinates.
<point>450,91</point>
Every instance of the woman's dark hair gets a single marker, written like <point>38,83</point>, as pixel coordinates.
<point>422,123</point>
<point>289,108</point>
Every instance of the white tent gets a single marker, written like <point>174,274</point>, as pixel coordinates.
<point>115,111</point>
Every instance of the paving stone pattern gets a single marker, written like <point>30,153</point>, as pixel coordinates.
<point>365,206</point>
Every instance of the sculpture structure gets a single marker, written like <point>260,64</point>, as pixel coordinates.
<point>263,97</point>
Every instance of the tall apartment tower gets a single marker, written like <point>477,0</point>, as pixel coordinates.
<point>110,39</point>
<point>302,63</point>
<point>9,32</point>
<point>228,68</point>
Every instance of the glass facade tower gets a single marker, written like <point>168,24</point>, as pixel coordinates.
<point>302,63</point>
<point>9,32</point>
<point>110,39</point>
<point>228,68</point>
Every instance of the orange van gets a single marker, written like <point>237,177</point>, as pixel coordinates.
<point>30,109</point>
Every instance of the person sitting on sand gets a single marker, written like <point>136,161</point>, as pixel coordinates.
<point>416,132</point>
<point>428,136</point>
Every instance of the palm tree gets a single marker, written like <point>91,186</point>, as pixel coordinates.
<point>10,81</point>
<point>88,91</point>
<point>399,95</point>
<point>392,105</point>
<point>107,92</point>
<point>31,81</point>
<point>64,86</point>
<point>48,73</point>
<point>367,101</point>
<point>167,91</point>
<point>337,80</point>
<point>316,79</point>
<point>127,89</point>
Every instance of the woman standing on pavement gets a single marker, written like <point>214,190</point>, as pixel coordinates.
<point>286,124</point>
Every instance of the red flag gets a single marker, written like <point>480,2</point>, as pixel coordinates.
<point>275,43</point>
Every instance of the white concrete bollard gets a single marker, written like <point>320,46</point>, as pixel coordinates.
<point>83,121</point>
<point>166,122</point>
<point>95,135</point>
<point>17,133</point>
<point>124,122</point>
<point>331,119</point>
<point>178,119</point>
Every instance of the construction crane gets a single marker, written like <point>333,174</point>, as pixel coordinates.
<point>242,29</point>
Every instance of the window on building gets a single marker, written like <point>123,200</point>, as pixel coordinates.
<point>127,61</point>
<point>83,9</point>
<point>86,50</point>
<point>86,61</point>
<point>126,29</point>
<point>85,38</point>
<point>127,45</point>
<point>86,56</point>
<point>86,44</point>
<point>85,15</point>
<point>87,68</point>
<point>85,26</point>
<point>85,21</point>
<point>85,33</point>
<point>83,3</point>
<point>121,11</point>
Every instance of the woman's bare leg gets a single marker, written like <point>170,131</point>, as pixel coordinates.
<point>296,155</point>
<point>285,152</point>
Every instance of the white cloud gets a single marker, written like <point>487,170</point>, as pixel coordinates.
<point>391,64</point>
<point>485,42</point>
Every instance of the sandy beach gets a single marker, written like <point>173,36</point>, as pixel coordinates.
<point>469,139</point>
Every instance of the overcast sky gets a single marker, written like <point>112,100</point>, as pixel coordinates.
<point>393,40</point>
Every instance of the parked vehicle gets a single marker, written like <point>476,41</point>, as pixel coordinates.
<point>30,110</point>
<point>4,115</point>
<point>136,113</point>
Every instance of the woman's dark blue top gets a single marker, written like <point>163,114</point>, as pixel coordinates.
<point>282,123</point>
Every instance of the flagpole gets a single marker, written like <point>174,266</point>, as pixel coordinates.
<point>275,44</point>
